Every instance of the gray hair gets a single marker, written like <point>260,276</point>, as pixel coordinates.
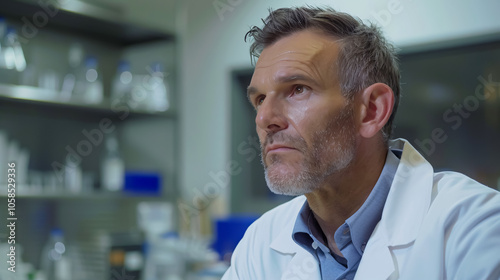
<point>365,56</point>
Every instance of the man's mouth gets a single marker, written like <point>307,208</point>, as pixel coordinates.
<point>278,148</point>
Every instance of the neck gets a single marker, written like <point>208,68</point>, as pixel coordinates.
<point>344,193</point>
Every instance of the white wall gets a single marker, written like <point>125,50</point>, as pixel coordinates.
<point>212,45</point>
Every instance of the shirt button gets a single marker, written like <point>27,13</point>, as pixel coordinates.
<point>314,245</point>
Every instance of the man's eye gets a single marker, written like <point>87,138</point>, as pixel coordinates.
<point>259,100</point>
<point>298,89</point>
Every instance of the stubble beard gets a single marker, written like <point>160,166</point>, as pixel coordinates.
<point>332,151</point>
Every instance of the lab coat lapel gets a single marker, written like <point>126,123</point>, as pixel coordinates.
<point>377,262</point>
<point>302,264</point>
<point>404,211</point>
<point>409,198</point>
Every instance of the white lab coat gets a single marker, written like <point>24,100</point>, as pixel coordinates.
<point>433,226</point>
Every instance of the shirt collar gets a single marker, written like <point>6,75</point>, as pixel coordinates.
<point>362,223</point>
<point>306,223</point>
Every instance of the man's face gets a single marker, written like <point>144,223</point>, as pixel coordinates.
<point>305,125</point>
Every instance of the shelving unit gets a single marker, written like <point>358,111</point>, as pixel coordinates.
<point>46,126</point>
<point>47,98</point>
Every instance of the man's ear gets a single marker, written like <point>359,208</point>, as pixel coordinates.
<point>376,103</point>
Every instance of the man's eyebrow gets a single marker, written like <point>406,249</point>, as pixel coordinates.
<point>295,78</point>
<point>251,91</point>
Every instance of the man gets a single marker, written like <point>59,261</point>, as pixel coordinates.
<point>325,89</point>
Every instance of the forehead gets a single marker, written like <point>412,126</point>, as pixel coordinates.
<point>309,47</point>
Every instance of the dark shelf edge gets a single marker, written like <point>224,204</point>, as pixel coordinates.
<point>105,27</point>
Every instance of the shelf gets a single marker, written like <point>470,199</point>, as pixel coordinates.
<point>44,97</point>
<point>84,195</point>
<point>103,23</point>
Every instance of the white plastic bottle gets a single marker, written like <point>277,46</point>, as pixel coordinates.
<point>54,261</point>
<point>122,82</point>
<point>159,98</point>
<point>73,177</point>
<point>113,168</point>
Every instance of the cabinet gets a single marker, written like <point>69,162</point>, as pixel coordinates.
<point>52,129</point>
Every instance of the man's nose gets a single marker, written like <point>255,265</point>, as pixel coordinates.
<point>271,116</point>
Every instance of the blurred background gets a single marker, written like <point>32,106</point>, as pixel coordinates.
<point>134,146</point>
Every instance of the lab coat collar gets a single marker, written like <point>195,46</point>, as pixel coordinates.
<point>407,203</point>
<point>302,264</point>
<point>409,197</point>
<point>283,242</point>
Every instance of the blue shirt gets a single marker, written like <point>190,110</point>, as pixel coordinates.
<point>352,236</point>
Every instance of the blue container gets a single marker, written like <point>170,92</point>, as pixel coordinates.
<point>142,183</point>
<point>229,232</point>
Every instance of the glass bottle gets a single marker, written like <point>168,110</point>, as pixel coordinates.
<point>122,83</point>
<point>13,51</point>
<point>54,261</point>
<point>89,83</point>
